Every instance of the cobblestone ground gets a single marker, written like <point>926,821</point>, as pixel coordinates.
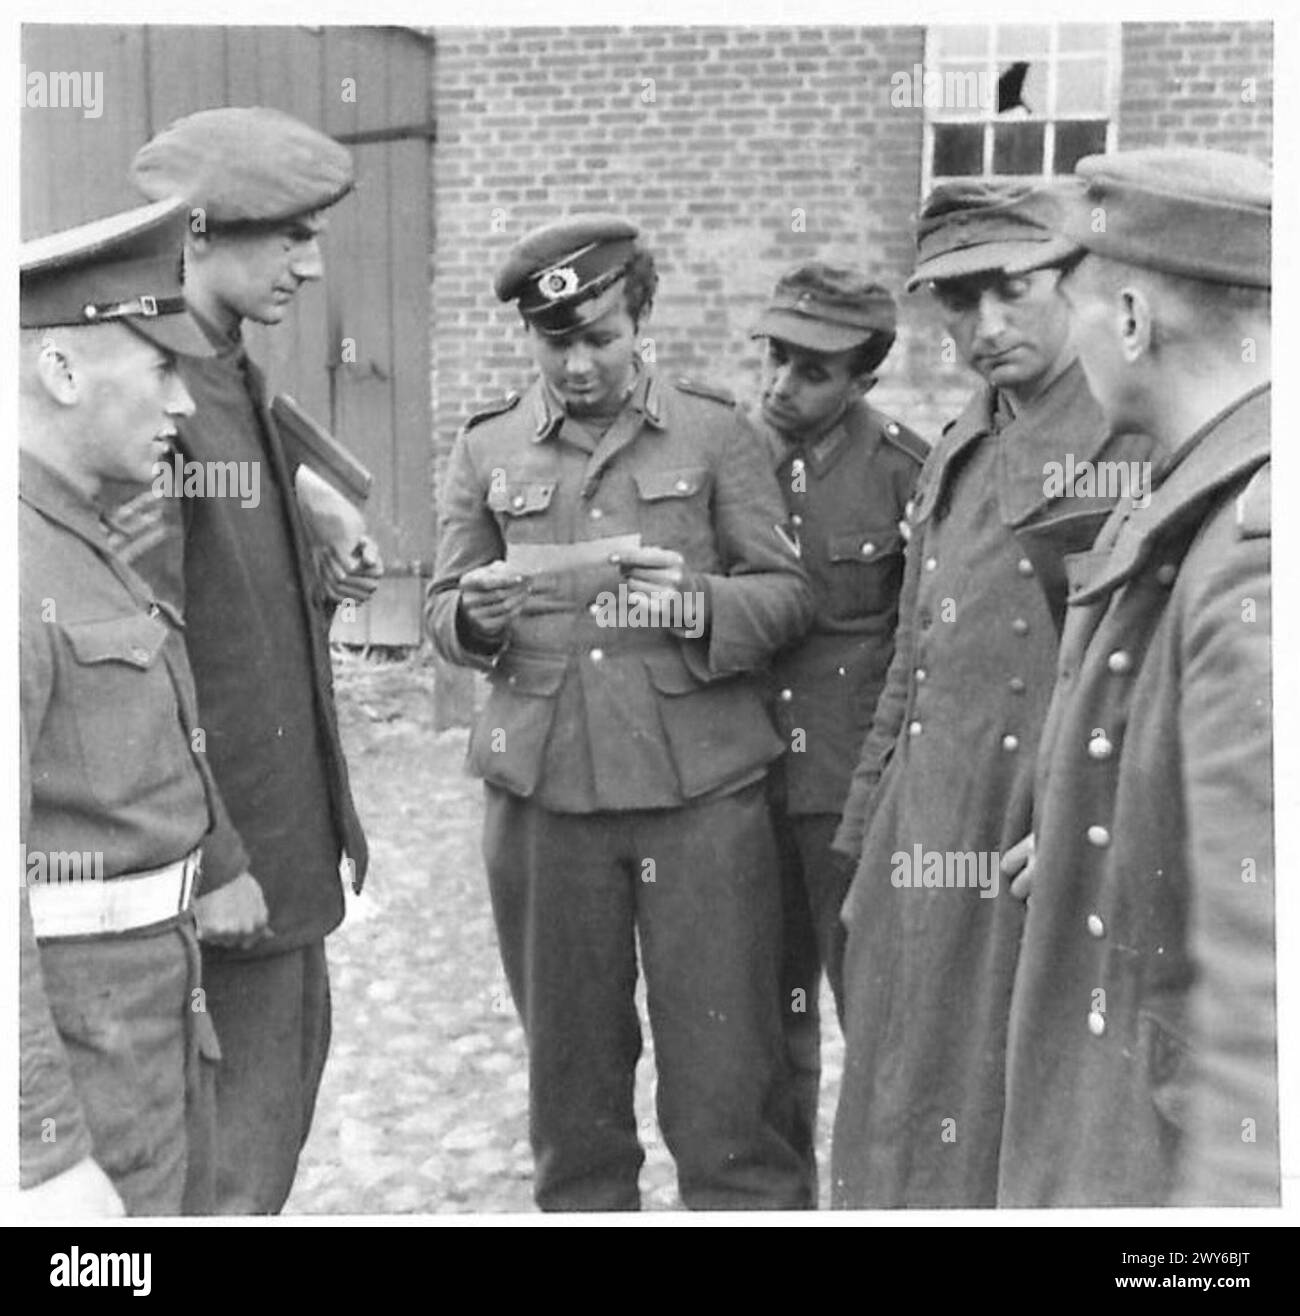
<point>423,1108</point>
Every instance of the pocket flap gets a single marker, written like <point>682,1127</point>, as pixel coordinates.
<point>669,673</point>
<point>136,640</point>
<point>684,482</point>
<point>531,677</point>
<point>521,497</point>
<point>863,545</point>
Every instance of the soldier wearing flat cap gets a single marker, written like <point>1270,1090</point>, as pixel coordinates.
<point>117,797</point>
<point>847,473</point>
<point>942,788</point>
<point>258,184</point>
<point>613,555</point>
<point>1142,1056</point>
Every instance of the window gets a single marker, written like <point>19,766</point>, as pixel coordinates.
<point>1018,99</point>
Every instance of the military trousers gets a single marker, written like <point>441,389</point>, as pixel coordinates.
<point>140,1048</point>
<point>814,883</point>
<point>272,1016</point>
<point>698,884</point>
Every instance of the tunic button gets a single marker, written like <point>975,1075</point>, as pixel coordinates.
<point>914,729</point>
<point>1025,567</point>
<point>597,655</point>
<point>681,486</point>
<point>868,548</point>
<point>1095,926</point>
<point>796,466</point>
<point>796,520</point>
<point>839,671</point>
<point>594,609</point>
<point>1098,836</point>
<point>1016,685</point>
<point>139,654</point>
<point>1020,626</point>
<point>1010,743</point>
<point>1096,1023</point>
<point>1166,573</point>
<point>1100,748</point>
<point>931,563</point>
<point>920,674</point>
<point>1120,662</point>
<point>786,695</point>
<point>154,609</point>
<point>595,514</point>
<point>517,501</point>
<point>891,428</point>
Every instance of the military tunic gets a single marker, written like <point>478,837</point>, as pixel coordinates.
<point>605,747</point>
<point>110,1042</point>
<point>1142,1044</point>
<point>846,495</point>
<point>928,969</point>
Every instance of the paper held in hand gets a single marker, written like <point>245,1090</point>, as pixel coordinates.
<point>533,559</point>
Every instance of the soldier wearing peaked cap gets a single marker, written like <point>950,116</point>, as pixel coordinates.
<point>847,473</point>
<point>1142,1056</point>
<point>625,747</point>
<point>943,783</point>
<point>116,1047</point>
<point>258,184</point>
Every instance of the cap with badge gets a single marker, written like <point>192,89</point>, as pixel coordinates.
<point>976,226</point>
<point>569,273</point>
<point>1197,213</point>
<point>245,165</point>
<point>827,308</point>
<point>121,269</point>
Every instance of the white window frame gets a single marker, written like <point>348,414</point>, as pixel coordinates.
<point>1113,51</point>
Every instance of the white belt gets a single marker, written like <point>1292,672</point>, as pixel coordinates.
<point>121,904</point>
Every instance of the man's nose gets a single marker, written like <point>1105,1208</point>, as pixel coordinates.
<point>577,360</point>
<point>991,317</point>
<point>308,264</point>
<point>179,402</point>
<point>783,381</point>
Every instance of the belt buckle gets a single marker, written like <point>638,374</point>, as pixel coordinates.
<point>190,867</point>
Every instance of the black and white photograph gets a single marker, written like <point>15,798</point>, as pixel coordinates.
<point>655,612</point>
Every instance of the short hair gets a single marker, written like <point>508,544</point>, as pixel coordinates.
<point>867,356</point>
<point>640,281</point>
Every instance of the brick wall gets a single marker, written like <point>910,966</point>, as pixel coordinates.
<point>746,126</point>
<point>711,138</point>
<point>1183,85</point>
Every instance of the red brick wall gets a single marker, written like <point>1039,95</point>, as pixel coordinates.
<point>1183,85</point>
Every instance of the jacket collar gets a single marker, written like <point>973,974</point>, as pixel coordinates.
<point>1232,444</point>
<point>42,487</point>
<point>1066,416</point>
<point>547,410</point>
<point>855,426</point>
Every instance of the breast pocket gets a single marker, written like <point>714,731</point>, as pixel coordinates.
<point>864,571</point>
<point>673,509</point>
<point>521,508</point>
<point>123,705</point>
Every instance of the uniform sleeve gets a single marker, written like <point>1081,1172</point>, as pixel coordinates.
<point>886,721</point>
<point>468,537</point>
<point>1230,1152</point>
<point>764,600</point>
<point>53,1135</point>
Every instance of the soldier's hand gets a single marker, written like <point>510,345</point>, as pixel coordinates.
<point>234,914</point>
<point>491,597</point>
<point>83,1190</point>
<point>1018,864</point>
<point>355,578</point>
<point>652,571</point>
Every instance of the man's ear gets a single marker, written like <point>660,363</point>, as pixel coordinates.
<point>1136,324</point>
<point>55,370</point>
<point>863,382</point>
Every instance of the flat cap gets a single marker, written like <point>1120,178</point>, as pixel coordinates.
<point>244,165</point>
<point>565,274</point>
<point>977,225</point>
<point>1201,214</point>
<point>826,308</point>
<point>122,269</point>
